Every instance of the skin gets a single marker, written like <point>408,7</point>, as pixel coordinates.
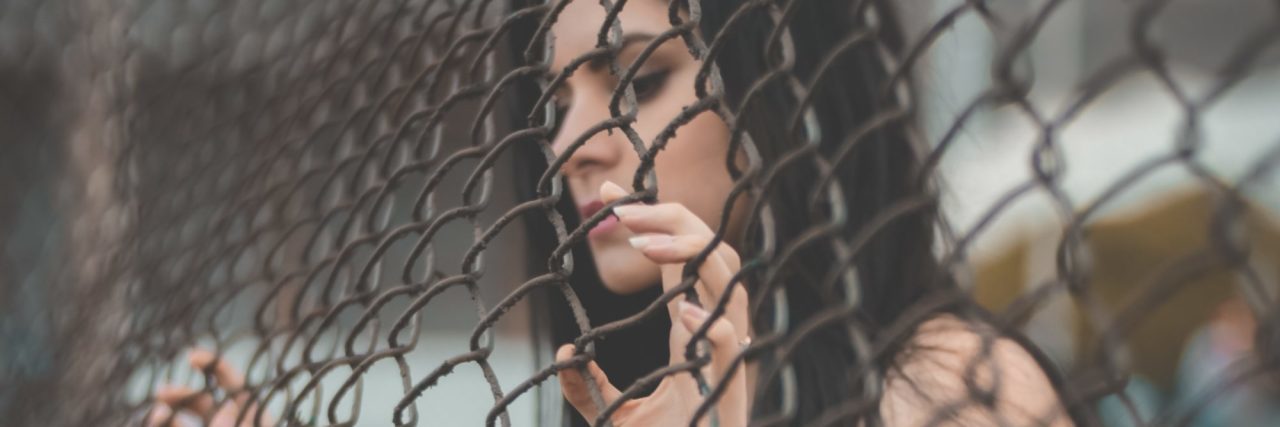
<point>176,405</point>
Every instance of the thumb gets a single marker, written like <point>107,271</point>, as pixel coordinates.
<point>576,389</point>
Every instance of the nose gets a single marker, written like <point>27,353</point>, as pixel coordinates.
<point>602,151</point>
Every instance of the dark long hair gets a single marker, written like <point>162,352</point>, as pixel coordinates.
<point>865,135</point>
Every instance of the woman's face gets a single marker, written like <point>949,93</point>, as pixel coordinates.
<point>690,170</point>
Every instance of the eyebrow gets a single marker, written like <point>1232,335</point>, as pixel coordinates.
<point>599,63</point>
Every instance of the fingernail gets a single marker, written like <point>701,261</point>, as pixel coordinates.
<point>610,191</point>
<point>691,316</point>
<point>692,312</point>
<point>641,242</point>
<point>626,210</point>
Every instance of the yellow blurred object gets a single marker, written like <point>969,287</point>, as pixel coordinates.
<point>1130,254</point>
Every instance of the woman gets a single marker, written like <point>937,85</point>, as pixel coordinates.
<point>641,253</point>
<point>927,342</point>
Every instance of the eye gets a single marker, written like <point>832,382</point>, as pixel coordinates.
<point>649,84</point>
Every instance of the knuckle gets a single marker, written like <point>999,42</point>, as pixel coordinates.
<point>729,255</point>
<point>695,243</point>
<point>676,211</point>
<point>722,332</point>
<point>565,352</point>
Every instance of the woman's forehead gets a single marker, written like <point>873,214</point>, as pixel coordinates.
<point>578,25</point>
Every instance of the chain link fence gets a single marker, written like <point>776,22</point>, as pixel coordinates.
<point>361,204</point>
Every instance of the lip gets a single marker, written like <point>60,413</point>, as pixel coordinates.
<point>606,225</point>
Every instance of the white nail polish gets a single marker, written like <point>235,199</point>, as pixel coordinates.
<point>692,312</point>
<point>624,210</point>
<point>641,242</point>
<point>615,189</point>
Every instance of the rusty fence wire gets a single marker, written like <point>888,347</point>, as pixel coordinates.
<point>332,195</point>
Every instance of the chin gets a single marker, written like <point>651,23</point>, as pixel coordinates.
<point>625,271</point>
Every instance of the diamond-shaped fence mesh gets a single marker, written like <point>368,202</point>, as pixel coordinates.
<point>381,212</point>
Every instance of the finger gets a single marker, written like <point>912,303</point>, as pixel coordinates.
<point>674,219</point>
<point>725,347</point>
<point>715,272</point>
<point>610,192</point>
<point>722,335</point>
<point>666,248</point>
<point>228,378</point>
<point>687,237</point>
<point>664,218</point>
<point>642,215</point>
<point>675,251</point>
<point>185,398</point>
<point>575,389</point>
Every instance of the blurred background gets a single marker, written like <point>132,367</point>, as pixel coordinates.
<point>76,77</point>
<point>1142,228</point>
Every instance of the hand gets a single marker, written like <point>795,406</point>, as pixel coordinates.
<point>669,234</point>
<point>176,406</point>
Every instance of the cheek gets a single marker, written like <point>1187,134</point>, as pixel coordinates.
<point>691,170</point>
